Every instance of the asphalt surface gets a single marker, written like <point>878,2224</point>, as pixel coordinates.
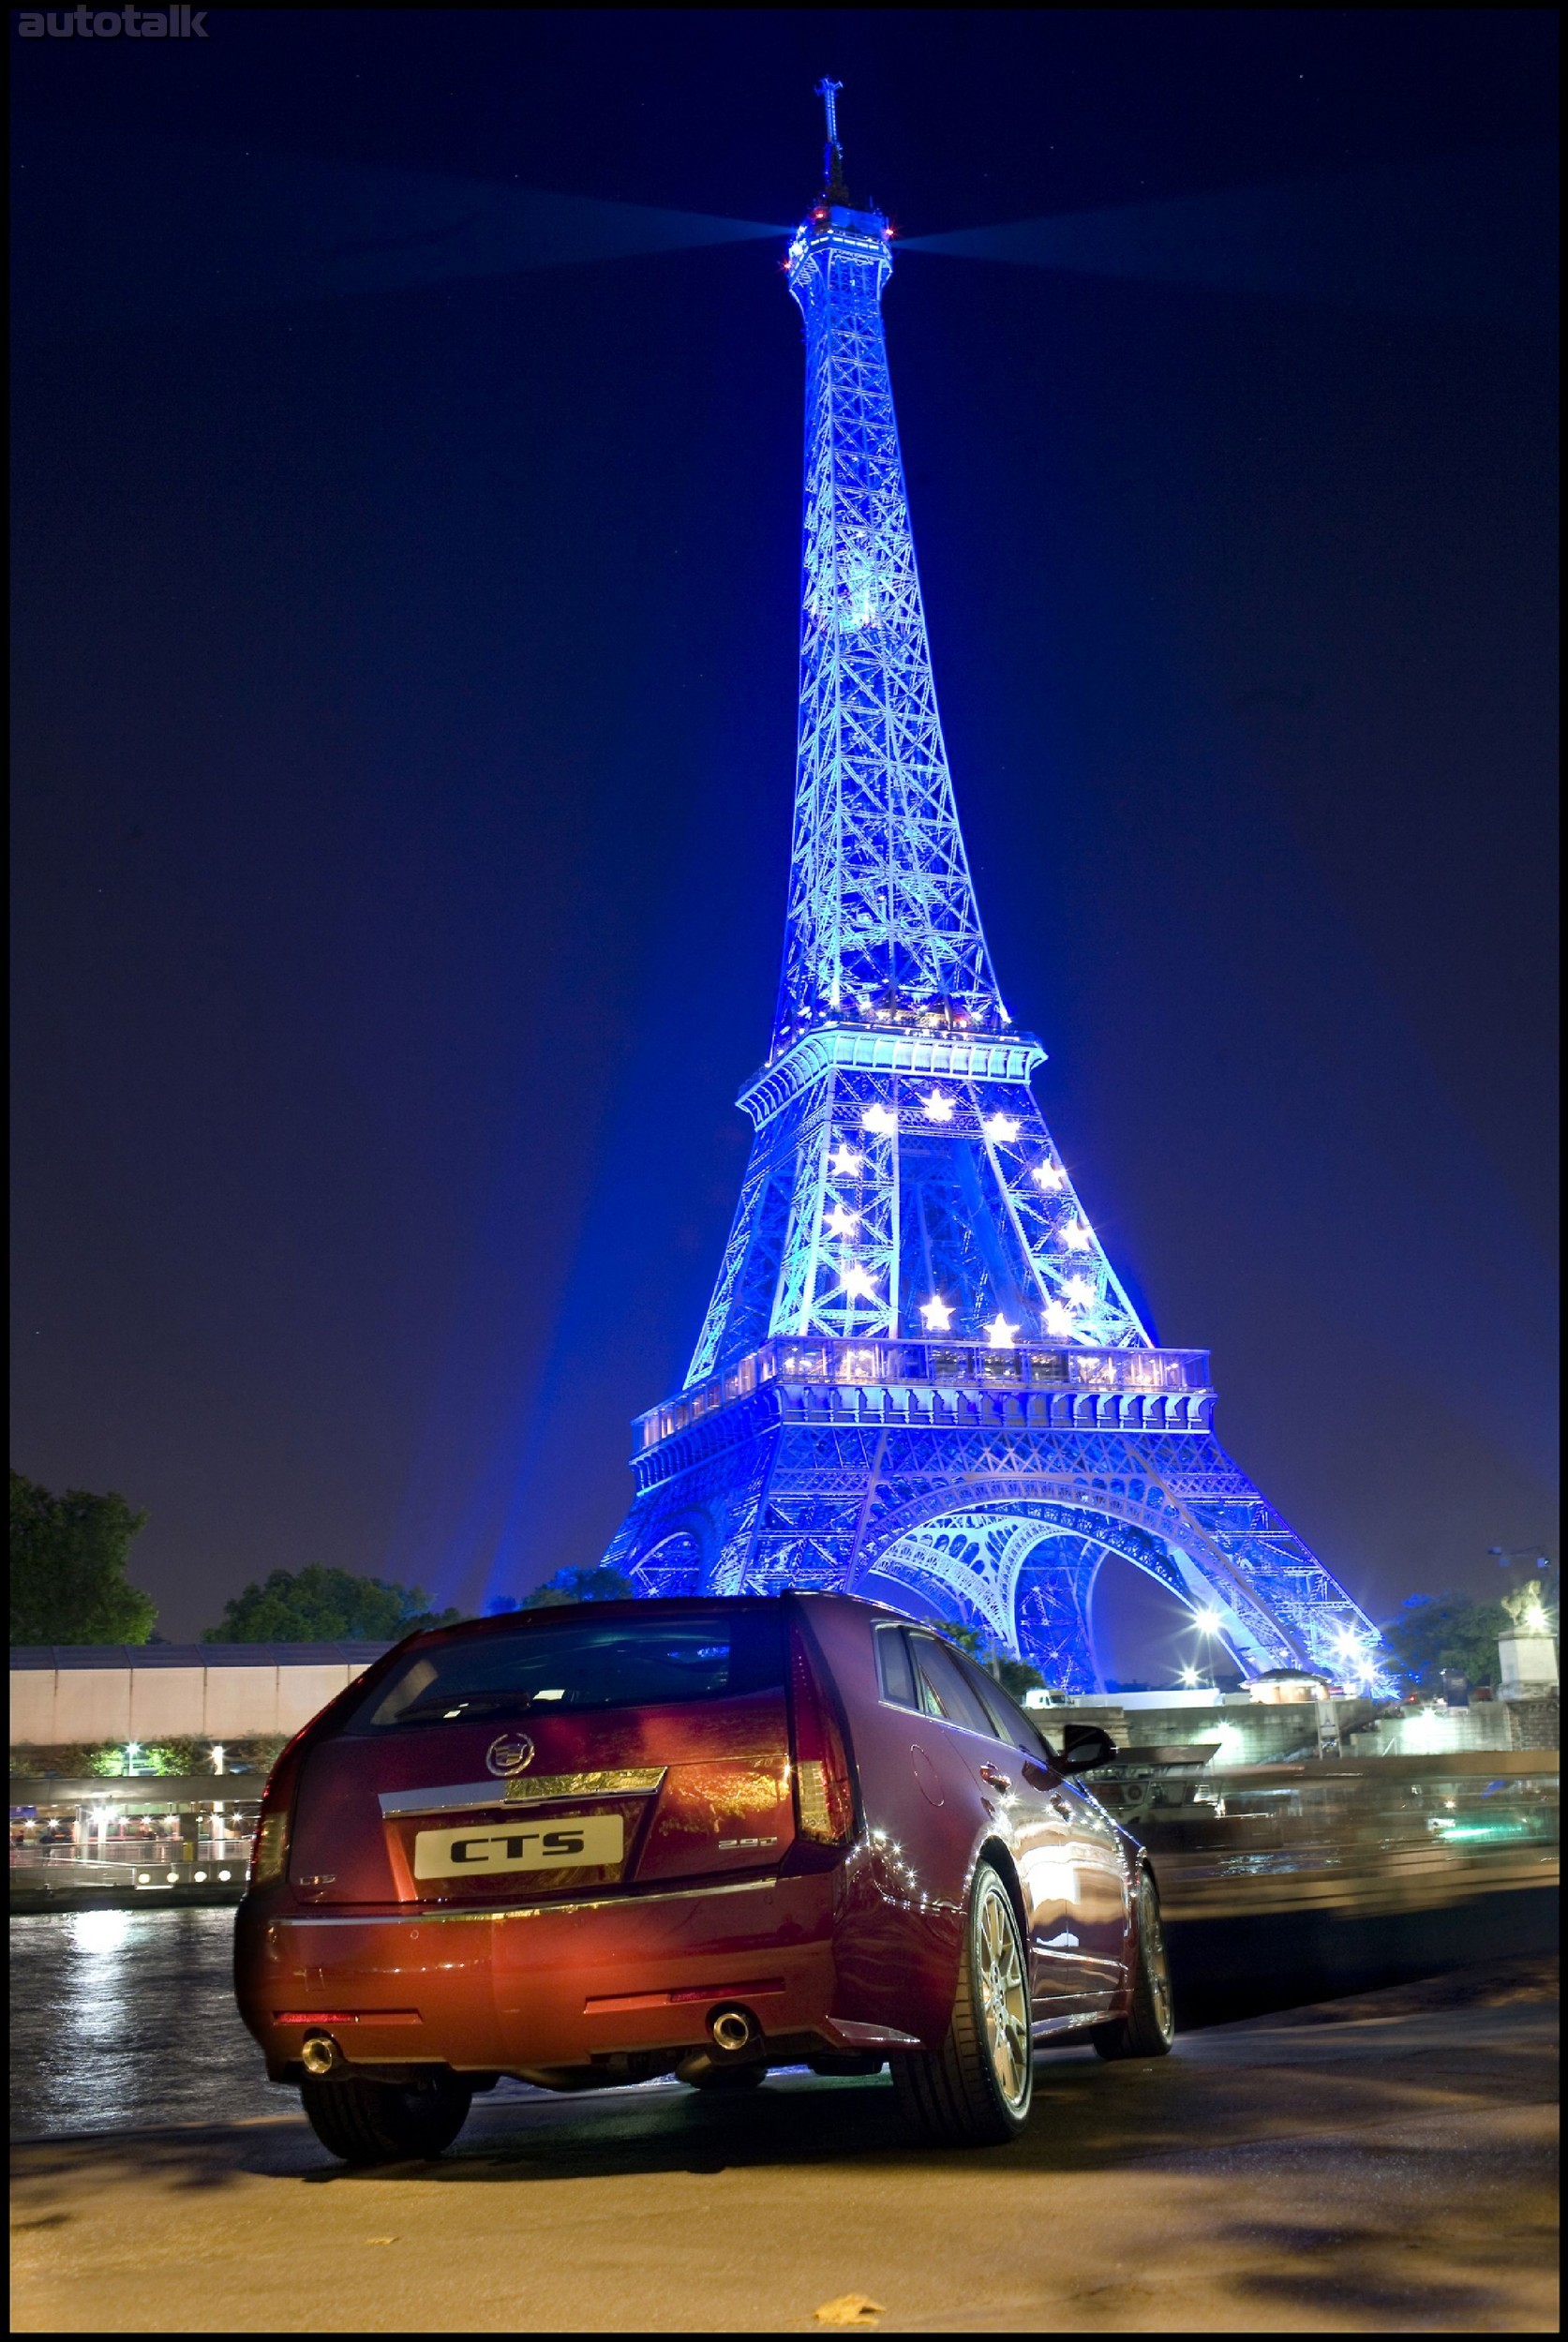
<point>1386,2164</point>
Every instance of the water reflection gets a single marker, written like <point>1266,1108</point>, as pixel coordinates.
<point>121,2018</point>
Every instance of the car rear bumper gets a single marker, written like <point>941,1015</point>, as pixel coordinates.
<point>544,1985</point>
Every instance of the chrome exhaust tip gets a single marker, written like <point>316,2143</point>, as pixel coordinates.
<point>730,2030</point>
<point>319,2053</point>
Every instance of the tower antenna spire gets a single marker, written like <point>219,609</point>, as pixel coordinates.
<point>833,158</point>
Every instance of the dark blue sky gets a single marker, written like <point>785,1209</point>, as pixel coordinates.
<point>405,679</point>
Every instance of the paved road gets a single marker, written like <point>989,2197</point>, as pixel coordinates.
<point>1381,2165</point>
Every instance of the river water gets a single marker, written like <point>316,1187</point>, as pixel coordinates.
<point>121,2018</point>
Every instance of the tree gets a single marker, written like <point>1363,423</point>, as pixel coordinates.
<point>1432,1631</point>
<point>326,1605</point>
<point>68,1581</point>
<point>598,1584</point>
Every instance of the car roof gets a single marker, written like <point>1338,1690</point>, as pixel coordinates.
<point>509,1621</point>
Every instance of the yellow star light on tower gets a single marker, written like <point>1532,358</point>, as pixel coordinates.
<point>937,1314</point>
<point>880,1118</point>
<point>1077,1235</point>
<point>843,1223</point>
<point>846,1163</point>
<point>939,1108</point>
<point>1049,1176</point>
<point>858,1284</point>
<point>1000,1127</point>
<point>999,1334</point>
<point>1058,1317</point>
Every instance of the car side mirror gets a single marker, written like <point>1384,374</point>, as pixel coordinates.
<point>1084,1747</point>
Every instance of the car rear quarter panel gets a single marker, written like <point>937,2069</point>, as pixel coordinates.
<point>899,1928</point>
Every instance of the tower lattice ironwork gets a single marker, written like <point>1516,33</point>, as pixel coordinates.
<point>920,1377</point>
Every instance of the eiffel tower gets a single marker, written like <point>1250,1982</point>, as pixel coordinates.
<point>919,1378</point>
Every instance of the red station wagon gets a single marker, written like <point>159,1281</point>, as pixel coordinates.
<point>599,1844</point>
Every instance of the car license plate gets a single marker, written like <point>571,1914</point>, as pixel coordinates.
<point>584,1839</point>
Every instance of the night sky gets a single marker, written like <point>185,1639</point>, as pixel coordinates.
<point>407,571</point>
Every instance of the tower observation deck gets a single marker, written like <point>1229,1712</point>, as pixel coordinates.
<point>919,1378</point>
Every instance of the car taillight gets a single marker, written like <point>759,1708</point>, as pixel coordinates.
<point>824,1792</point>
<point>269,1854</point>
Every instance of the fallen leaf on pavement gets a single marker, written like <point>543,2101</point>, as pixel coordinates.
<point>850,2309</point>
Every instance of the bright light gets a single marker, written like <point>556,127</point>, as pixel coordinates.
<point>858,1283</point>
<point>1080,1290</point>
<point>1077,1237</point>
<point>843,1223</point>
<point>939,1108</point>
<point>879,1118</point>
<point>217,1756</point>
<point>1000,1127</point>
<point>937,1314</point>
<point>846,1160</point>
<point>1206,1621</point>
<point>1189,1676</point>
<point>200,1877</point>
<point>999,1334</point>
<point>1049,1177</point>
<point>1058,1317</point>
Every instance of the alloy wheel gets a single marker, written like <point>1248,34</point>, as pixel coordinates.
<point>1004,1993</point>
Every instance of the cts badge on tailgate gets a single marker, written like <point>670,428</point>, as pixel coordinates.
<point>590,1839</point>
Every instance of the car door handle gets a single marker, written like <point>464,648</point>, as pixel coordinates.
<point>997,1779</point>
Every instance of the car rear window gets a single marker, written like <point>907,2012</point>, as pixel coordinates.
<point>544,1667</point>
<point>895,1668</point>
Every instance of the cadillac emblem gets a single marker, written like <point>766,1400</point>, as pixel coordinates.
<point>510,1754</point>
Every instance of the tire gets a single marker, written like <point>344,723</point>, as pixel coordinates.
<point>976,2090</point>
<point>385,2121</point>
<point>1149,2026</point>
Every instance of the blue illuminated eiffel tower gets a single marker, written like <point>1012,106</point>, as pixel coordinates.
<point>919,1378</point>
